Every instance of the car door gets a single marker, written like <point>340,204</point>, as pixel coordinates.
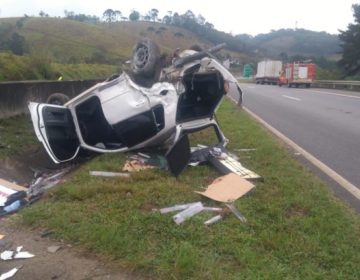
<point>54,127</point>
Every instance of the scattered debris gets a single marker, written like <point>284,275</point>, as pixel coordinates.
<point>53,249</point>
<point>236,212</point>
<point>136,165</point>
<point>18,254</point>
<point>213,220</point>
<point>10,273</point>
<point>109,174</point>
<point>188,213</point>
<point>246,150</point>
<point>227,188</point>
<point>176,208</point>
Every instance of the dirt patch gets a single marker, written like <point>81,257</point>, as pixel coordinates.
<point>67,263</point>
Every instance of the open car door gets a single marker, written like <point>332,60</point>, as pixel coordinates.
<point>55,129</point>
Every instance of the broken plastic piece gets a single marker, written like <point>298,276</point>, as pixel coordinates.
<point>10,273</point>
<point>109,174</point>
<point>188,213</point>
<point>13,206</point>
<point>214,209</point>
<point>7,255</point>
<point>213,220</point>
<point>236,212</point>
<point>176,208</point>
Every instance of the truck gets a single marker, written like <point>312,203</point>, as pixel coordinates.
<point>268,72</point>
<point>298,74</point>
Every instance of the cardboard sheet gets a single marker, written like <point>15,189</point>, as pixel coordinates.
<point>228,188</point>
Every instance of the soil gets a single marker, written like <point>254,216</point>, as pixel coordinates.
<point>69,262</point>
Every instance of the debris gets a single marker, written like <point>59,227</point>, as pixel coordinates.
<point>236,212</point>
<point>7,189</point>
<point>53,249</point>
<point>136,165</point>
<point>227,164</point>
<point>12,207</point>
<point>227,188</point>
<point>214,209</point>
<point>176,208</point>
<point>213,220</point>
<point>1,236</point>
<point>47,233</point>
<point>18,254</point>
<point>10,273</point>
<point>45,182</point>
<point>144,155</point>
<point>246,150</point>
<point>109,174</point>
<point>188,213</point>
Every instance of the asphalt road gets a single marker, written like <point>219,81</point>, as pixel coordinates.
<point>324,122</point>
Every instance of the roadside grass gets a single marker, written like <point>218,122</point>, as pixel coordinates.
<point>16,135</point>
<point>296,228</point>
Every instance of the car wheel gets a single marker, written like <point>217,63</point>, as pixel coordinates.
<point>57,99</point>
<point>145,57</point>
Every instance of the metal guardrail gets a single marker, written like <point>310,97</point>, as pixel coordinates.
<point>337,84</point>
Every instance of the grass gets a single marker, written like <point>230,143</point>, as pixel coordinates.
<point>16,135</point>
<point>296,229</point>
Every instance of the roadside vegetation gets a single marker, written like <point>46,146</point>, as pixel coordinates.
<point>296,228</point>
<point>16,136</point>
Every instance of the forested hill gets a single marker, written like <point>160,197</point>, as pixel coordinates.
<point>291,42</point>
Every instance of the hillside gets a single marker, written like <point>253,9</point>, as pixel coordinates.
<point>292,42</point>
<point>44,47</point>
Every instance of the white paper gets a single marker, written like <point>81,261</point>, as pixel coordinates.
<point>8,274</point>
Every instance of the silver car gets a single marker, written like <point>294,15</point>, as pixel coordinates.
<point>119,115</point>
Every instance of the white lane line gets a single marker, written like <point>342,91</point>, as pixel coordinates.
<point>290,97</point>
<point>331,93</point>
<point>323,167</point>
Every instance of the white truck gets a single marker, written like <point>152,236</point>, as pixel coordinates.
<point>268,72</point>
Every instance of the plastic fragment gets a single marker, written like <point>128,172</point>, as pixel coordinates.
<point>213,220</point>
<point>109,174</point>
<point>176,208</point>
<point>187,213</point>
<point>9,274</point>
<point>236,212</point>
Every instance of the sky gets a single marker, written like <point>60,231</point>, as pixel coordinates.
<point>235,17</point>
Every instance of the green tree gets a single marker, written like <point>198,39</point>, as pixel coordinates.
<point>134,15</point>
<point>109,15</point>
<point>153,14</point>
<point>350,38</point>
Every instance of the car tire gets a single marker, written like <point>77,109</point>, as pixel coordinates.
<point>57,99</point>
<point>145,57</point>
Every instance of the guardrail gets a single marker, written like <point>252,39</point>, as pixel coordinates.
<point>336,84</point>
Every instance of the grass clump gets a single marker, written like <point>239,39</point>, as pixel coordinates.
<point>296,229</point>
<point>16,135</point>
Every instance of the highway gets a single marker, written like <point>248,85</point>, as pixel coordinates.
<point>324,122</point>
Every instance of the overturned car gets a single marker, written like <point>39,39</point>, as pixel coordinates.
<point>121,114</point>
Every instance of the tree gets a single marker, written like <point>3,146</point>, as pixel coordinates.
<point>154,14</point>
<point>134,16</point>
<point>109,16</point>
<point>350,38</point>
<point>117,15</point>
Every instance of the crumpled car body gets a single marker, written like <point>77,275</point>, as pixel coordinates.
<point>119,115</point>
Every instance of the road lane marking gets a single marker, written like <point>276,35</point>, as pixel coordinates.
<point>331,93</point>
<point>323,167</point>
<point>290,97</point>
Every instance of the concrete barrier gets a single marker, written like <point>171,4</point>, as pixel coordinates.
<point>14,96</point>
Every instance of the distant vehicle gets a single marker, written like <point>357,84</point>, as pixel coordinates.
<point>119,114</point>
<point>298,74</point>
<point>268,72</point>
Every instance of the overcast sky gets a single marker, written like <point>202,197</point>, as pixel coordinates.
<point>251,17</point>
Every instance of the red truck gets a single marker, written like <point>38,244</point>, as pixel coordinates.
<point>298,74</point>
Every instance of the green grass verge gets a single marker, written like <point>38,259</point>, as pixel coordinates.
<point>16,135</point>
<point>296,229</point>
